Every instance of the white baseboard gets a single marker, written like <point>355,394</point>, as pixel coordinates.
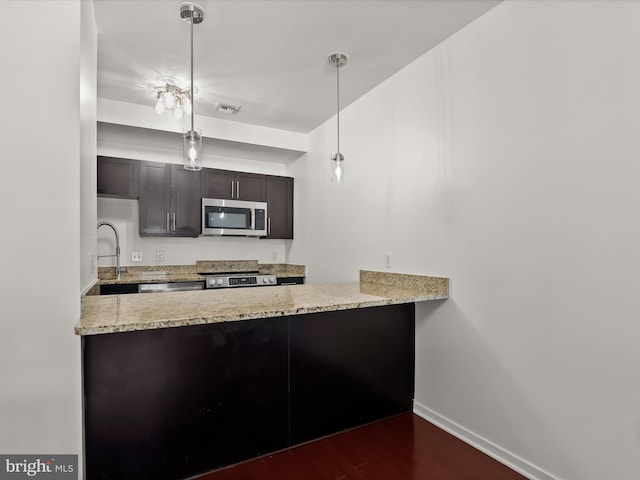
<point>498,453</point>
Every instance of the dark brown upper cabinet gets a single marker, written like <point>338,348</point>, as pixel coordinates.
<point>169,200</point>
<point>170,196</point>
<point>279,207</point>
<point>118,177</point>
<point>232,185</point>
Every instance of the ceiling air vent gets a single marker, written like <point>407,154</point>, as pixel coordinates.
<point>227,108</point>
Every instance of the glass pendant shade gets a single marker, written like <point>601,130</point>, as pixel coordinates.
<point>169,100</point>
<point>337,168</point>
<point>159,105</point>
<point>192,144</point>
<point>187,105</point>
<point>177,112</point>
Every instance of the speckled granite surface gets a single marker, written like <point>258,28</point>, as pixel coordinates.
<point>225,266</point>
<point>190,273</point>
<point>123,313</point>
<point>283,269</point>
<point>415,283</point>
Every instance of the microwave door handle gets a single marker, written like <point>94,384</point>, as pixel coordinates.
<point>253,219</point>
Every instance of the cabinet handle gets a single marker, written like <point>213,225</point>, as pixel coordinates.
<point>268,225</point>
<point>174,221</point>
<point>168,229</point>
<point>233,189</point>
<point>238,189</point>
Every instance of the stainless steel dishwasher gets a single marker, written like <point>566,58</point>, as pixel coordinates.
<point>169,287</point>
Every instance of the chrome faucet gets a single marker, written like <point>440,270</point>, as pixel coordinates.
<point>117,255</point>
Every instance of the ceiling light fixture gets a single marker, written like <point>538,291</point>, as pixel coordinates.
<point>170,96</point>
<point>192,139</point>
<point>337,168</point>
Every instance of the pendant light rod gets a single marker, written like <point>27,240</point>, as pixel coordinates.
<point>338,60</point>
<point>338,102</point>
<point>191,49</point>
<point>192,139</point>
<point>192,14</point>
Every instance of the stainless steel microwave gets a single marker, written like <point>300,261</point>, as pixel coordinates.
<point>233,217</point>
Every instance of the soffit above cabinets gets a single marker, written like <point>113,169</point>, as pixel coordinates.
<point>144,143</point>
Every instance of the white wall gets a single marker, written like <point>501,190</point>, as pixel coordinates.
<point>88,142</point>
<point>143,144</point>
<point>40,399</point>
<point>177,251</point>
<point>507,159</point>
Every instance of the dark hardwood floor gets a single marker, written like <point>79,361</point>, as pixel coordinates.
<point>405,447</point>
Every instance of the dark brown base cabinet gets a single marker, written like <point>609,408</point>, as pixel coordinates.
<point>176,402</point>
<point>349,368</point>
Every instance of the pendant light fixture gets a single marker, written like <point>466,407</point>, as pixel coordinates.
<point>192,14</point>
<point>337,168</point>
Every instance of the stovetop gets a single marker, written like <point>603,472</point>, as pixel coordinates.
<point>238,279</point>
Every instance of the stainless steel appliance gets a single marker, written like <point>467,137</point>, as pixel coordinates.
<point>233,217</point>
<point>244,279</point>
<point>169,287</point>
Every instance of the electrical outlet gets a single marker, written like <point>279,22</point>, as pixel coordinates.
<point>387,260</point>
<point>136,256</point>
<point>159,256</point>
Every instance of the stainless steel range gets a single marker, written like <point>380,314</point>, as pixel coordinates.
<point>244,279</point>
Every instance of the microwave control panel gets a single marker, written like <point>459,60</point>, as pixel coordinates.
<point>261,220</point>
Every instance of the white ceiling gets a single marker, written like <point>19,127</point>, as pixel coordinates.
<point>270,56</point>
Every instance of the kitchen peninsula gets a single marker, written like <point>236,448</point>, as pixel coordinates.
<point>178,384</point>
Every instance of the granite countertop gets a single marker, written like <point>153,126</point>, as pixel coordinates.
<point>191,273</point>
<point>124,313</point>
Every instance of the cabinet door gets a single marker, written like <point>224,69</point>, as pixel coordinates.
<point>176,402</point>
<point>349,367</point>
<point>218,183</point>
<point>155,198</point>
<point>232,185</point>
<point>250,186</point>
<point>279,207</point>
<point>118,177</point>
<point>186,209</point>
